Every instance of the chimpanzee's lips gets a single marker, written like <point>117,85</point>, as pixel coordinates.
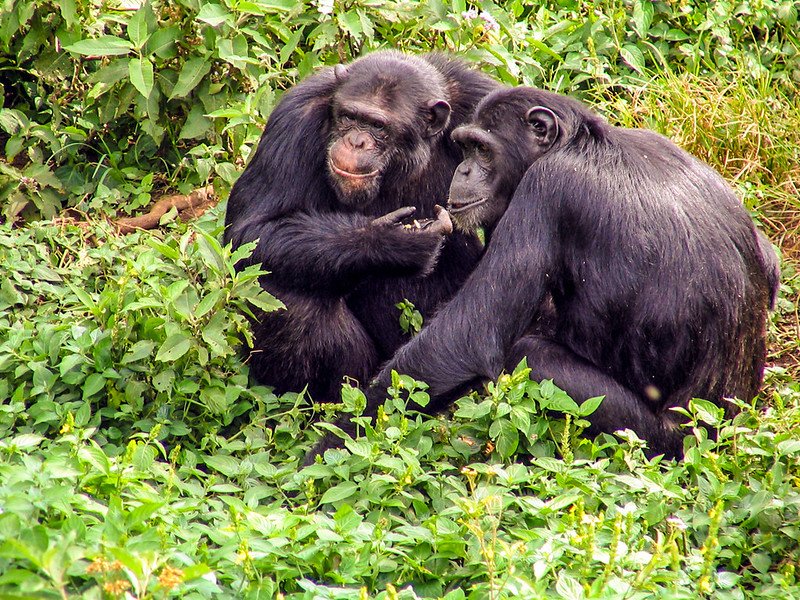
<point>350,175</point>
<point>457,207</point>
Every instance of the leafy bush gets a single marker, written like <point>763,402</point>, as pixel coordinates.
<point>85,316</point>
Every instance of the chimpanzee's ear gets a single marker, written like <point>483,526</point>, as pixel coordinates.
<point>340,72</point>
<point>543,122</point>
<point>438,117</point>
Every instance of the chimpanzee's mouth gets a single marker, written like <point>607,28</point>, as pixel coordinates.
<point>350,175</point>
<point>457,207</point>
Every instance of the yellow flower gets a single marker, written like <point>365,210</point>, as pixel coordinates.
<point>170,577</point>
<point>116,587</point>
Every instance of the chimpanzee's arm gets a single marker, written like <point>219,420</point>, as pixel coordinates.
<point>470,336</point>
<point>334,251</point>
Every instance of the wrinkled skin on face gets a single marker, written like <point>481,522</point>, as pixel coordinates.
<point>495,159</point>
<point>382,125</point>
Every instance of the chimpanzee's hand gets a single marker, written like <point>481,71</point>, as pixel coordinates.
<point>441,224</point>
<point>394,218</point>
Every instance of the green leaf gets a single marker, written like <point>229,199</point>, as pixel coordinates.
<point>196,124</point>
<point>137,28</point>
<point>70,362</point>
<point>589,406</point>
<point>162,42</point>
<point>276,5</point>
<point>214,399</point>
<point>290,46</point>
<point>94,384</point>
<point>26,441</point>
<point>95,456</point>
<point>139,351</point>
<point>173,348</point>
<point>634,57</point>
<point>215,14</point>
<point>521,419</point>
<point>642,17</point>
<point>706,411</point>
<point>338,493</point>
<point>105,45</point>
<point>569,588</point>
<point>506,437</point>
<point>227,465</point>
<point>141,74</point>
<point>191,75</point>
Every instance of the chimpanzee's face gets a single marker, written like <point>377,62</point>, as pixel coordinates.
<point>495,159</point>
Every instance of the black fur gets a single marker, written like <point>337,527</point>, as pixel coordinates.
<point>659,280</point>
<point>338,270</point>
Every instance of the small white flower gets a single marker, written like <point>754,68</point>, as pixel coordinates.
<point>677,523</point>
<point>489,24</point>
<point>325,6</point>
<point>470,14</point>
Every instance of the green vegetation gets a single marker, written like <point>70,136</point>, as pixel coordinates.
<point>137,461</point>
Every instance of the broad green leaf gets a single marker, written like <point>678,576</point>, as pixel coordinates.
<point>191,75</point>
<point>340,492</point>
<point>505,435</point>
<point>208,302</point>
<point>642,17</point>
<point>214,399</point>
<point>68,11</point>
<point>196,124</point>
<point>559,502</point>
<point>214,334</point>
<point>351,23</point>
<point>290,46</point>
<point>170,252</point>
<point>173,348</point>
<point>589,406</point>
<point>569,588</point>
<point>162,42</point>
<point>266,302</point>
<point>94,383</point>
<point>69,362</point>
<point>13,121</point>
<point>144,457</point>
<point>139,351</point>
<point>105,45</point>
<point>227,465</point>
<point>95,456</point>
<point>521,419</point>
<point>634,57</point>
<point>137,28</point>
<point>215,14</point>
<point>706,411</point>
<point>141,74</point>
<point>26,441</point>
<point>277,5</point>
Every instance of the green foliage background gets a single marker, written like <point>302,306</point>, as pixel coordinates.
<point>136,460</point>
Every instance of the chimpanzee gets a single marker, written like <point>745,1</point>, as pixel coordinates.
<point>659,280</point>
<point>345,157</point>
